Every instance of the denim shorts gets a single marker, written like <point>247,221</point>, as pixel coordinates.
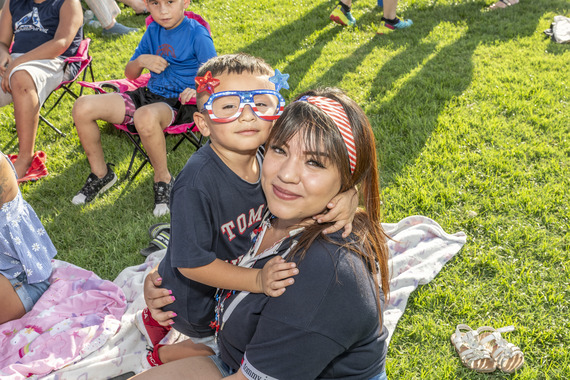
<point>381,376</point>
<point>29,293</point>
<point>225,369</point>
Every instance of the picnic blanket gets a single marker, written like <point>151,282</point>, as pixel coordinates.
<point>419,249</point>
<point>75,317</point>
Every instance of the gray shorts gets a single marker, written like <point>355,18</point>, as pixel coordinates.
<point>47,74</point>
<point>29,293</point>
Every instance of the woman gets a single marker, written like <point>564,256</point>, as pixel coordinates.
<point>328,324</point>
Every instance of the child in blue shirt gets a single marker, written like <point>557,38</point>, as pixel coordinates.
<point>172,49</point>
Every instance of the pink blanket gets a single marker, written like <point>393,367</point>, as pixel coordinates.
<point>76,316</point>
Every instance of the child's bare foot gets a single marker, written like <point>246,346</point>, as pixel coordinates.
<point>503,4</point>
<point>22,165</point>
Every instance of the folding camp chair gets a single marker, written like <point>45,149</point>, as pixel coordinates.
<point>187,131</point>
<point>84,59</point>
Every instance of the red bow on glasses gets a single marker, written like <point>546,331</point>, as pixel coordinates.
<point>206,83</point>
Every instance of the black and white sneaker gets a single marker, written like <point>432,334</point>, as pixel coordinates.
<point>162,197</point>
<point>95,186</point>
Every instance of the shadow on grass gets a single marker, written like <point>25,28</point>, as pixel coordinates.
<point>403,129</point>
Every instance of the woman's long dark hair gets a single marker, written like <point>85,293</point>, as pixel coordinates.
<point>322,135</point>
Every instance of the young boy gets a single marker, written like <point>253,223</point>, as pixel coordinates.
<point>217,203</point>
<point>172,49</point>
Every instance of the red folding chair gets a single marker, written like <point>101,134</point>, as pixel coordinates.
<point>187,131</point>
<point>71,75</point>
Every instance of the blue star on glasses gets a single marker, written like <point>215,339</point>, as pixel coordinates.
<point>280,80</point>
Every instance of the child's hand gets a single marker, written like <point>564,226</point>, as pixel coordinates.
<point>186,95</point>
<point>156,297</point>
<point>154,63</point>
<point>341,211</point>
<point>275,276</point>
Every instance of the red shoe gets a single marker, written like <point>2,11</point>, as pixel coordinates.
<point>152,356</point>
<point>37,168</point>
<point>151,329</point>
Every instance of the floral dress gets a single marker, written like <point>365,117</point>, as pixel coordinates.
<point>24,243</point>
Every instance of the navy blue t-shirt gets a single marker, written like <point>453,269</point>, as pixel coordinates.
<point>213,213</point>
<point>35,24</point>
<point>325,325</point>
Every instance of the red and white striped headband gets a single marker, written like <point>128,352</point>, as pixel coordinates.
<point>336,112</point>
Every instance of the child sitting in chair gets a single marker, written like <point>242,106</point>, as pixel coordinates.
<point>25,249</point>
<point>172,49</point>
<point>35,38</point>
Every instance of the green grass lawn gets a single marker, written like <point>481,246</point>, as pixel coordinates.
<point>471,114</point>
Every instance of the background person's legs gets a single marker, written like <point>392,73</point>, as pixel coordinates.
<point>138,5</point>
<point>150,121</point>
<point>86,111</point>
<point>106,11</point>
<point>26,115</point>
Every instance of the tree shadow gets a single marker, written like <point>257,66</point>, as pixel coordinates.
<point>432,78</point>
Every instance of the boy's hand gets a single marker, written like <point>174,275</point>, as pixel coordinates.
<point>186,95</point>
<point>341,211</point>
<point>275,276</point>
<point>6,71</point>
<point>156,297</point>
<point>154,63</point>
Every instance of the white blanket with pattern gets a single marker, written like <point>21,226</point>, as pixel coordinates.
<point>419,249</point>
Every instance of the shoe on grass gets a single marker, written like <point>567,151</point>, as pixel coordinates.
<point>118,29</point>
<point>162,197</point>
<point>396,23</point>
<point>341,17</point>
<point>95,186</point>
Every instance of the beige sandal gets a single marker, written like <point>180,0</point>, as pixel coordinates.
<point>509,357</point>
<point>473,354</point>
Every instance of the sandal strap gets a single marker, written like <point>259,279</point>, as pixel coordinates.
<point>466,337</point>
<point>473,354</point>
<point>505,350</point>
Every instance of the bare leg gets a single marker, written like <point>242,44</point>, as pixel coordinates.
<point>150,121</point>
<point>195,368</point>
<point>12,308</point>
<point>86,111</point>
<point>389,8</point>
<point>185,349</point>
<point>26,114</point>
<point>137,5</point>
<point>503,4</point>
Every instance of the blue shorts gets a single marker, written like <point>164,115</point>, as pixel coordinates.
<point>224,369</point>
<point>381,376</point>
<point>29,293</point>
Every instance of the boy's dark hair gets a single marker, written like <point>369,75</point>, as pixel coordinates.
<point>232,64</point>
<point>235,64</point>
